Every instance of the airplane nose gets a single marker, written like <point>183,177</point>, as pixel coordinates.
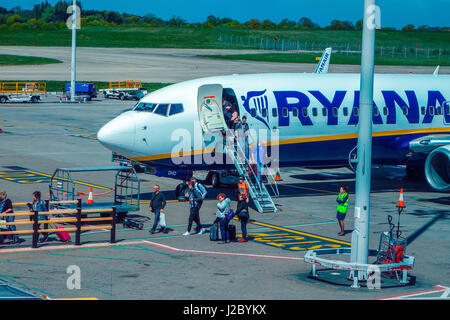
<point>118,134</point>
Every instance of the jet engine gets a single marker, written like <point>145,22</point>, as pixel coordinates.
<point>437,168</point>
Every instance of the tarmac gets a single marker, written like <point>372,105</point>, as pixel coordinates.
<point>161,65</point>
<point>38,138</point>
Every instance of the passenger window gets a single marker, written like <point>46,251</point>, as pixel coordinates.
<point>439,110</point>
<point>376,112</point>
<point>274,112</point>
<point>264,112</point>
<point>314,112</point>
<point>295,112</point>
<point>253,112</point>
<point>432,110</point>
<point>447,110</point>
<point>305,112</point>
<point>175,108</point>
<point>385,111</point>
<point>147,107</point>
<point>405,111</point>
<point>162,109</point>
<point>285,112</point>
<point>356,112</point>
<point>345,111</point>
<point>423,110</point>
<point>335,112</point>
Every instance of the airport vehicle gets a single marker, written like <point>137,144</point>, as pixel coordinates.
<point>312,118</point>
<point>86,90</point>
<point>22,91</point>
<point>126,89</point>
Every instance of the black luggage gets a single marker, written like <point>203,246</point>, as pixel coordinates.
<point>214,233</point>
<point>232,232</point>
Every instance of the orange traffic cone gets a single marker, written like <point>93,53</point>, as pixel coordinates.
<point>401,202</point>
<point>278,176</point>
<point>90,197</point>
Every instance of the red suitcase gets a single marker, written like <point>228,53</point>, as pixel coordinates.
<point>63,236</point>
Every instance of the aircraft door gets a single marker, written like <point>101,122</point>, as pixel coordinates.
<point>209,102</point>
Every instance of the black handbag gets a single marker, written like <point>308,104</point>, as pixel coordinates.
<point>243,215</point>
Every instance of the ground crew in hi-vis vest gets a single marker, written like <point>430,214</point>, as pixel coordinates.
<point>342,208</point>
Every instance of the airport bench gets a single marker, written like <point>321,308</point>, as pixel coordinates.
<point>78,220</point>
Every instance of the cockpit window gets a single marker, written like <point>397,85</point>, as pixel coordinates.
<point>147,107</point>
<point>175,108</point>
<point>162,109</point>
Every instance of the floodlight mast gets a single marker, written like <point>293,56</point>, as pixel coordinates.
<point>73,69</point>
<point>360,235</point>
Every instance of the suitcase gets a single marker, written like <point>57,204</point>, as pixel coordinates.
<point>214,233</point>
<point>63,236</point>
<point>231,232</point>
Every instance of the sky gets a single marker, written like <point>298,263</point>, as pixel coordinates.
<point>394,13</point>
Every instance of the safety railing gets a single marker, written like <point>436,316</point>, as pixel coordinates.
<point>79,219</point>
<point>23,87</point>
<point>125,84</point>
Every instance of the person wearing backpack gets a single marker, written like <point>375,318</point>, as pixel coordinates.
<point>194,198</point>
<point>242,214</point>
<point>223,208</point>
<point>201,189</point>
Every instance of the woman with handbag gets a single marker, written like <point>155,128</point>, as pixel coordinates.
<point>223,208</point>
<point>242,214</point>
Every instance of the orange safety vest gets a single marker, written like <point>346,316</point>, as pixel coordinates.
<point>243,187</point>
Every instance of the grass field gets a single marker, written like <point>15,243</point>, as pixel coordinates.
<point>190,37</point>
<point>12,60</point>
<point>58,86</point>
<point>335,59</point>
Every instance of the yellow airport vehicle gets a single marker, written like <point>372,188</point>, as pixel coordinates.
<point>22,91</point>
<point>125,89</point>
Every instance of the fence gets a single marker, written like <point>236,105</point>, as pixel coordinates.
<point>235,41</point>
<point>79,219</point>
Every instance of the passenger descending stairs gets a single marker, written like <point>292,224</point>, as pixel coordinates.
<point>258,191</point>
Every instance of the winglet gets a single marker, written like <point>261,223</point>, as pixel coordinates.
<point>322,66</point>
<point>436,71</point>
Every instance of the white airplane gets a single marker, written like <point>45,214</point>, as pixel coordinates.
<point>316,116</point>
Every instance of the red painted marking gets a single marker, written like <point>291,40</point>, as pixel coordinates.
<point>437,289</point>
<point>68,247</point>
<point>209,97</point>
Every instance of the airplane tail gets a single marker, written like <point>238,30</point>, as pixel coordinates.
<point>322,66</point>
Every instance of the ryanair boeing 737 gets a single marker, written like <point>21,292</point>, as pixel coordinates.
<point>315,116</point>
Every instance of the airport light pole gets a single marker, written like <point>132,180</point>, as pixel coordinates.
<point>73,68</point>
<point>360,235</point>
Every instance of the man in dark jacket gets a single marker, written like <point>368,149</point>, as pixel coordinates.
<point>157,205</point>
<point>6,207</point>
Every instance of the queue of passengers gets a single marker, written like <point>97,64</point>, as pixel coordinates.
<point>195,194</point>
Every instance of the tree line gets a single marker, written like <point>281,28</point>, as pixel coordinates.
<point>44,16</point>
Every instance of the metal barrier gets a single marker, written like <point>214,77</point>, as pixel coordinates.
<point>78,220</point>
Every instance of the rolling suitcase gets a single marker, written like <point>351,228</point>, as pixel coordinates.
<point>214,233</point>
<point>63,236</point>
<point>232,232</point>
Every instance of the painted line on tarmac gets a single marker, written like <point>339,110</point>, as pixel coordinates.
<point>298,232</point>
<point>220,253</point>
<point>437,288</point>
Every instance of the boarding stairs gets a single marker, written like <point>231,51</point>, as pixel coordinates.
<point>258,191</point>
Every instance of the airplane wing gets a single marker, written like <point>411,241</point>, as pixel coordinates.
<point>322,66</point>
<point>436,71</point>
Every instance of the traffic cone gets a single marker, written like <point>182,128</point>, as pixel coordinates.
<point>401,202</point>
<point>278,176</point>
<point>90,197</point>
